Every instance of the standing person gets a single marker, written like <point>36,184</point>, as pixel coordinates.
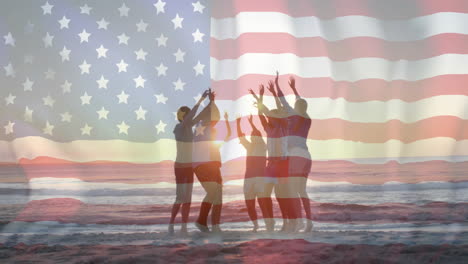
<point>183,165</point>
<point>275,126</point>
<point>300,162</point>
<point>255,186</point>
<point>207,164</point>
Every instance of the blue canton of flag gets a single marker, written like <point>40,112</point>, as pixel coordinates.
<point>100,69</point>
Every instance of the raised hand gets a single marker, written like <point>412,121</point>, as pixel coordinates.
<point>277,77</point>
<point>206,93</point>
<point>212,95</point>
<point>271,87</point>
<point>292,82</point>
<point>253,94</point>
<point>262,89</point>
<point>226,116</point>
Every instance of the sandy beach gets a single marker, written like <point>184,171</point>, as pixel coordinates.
<point>218,249</point>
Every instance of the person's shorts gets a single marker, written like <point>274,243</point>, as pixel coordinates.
<point>299,166</point>
<point>254,185</point>
<point>183,175</point>
<point>209,172</point>
<point>277,168</point>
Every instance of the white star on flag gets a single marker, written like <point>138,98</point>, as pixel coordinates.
<point>85,9</point>
<point>84,36</point>
<point>141,54</point>
<point>27,85</point>
<point>161,69</point>
<point>9,71</point>
<point>123,39</point>
<point>102,113</point>
<point>9,128</point>
<point>48,101</point>
<point>85,99</point>
<point>199,69</point>
<point>9,40</point>
<point>123,97</point>
<point>179,56</point>
<point>122,66</point>
<point>160,98</point>
<point>198,7</point>
<point>160,6</point>
<point>28,114</point>
<point>101,52</point>
<point>102,24</point>
<point>123,10</point>
<point>10,99</point>
<point>102,82</point>
<point>179,85</point>
<point>85,67</point>
<point>48,129</point>
<point>66,117</point>
<point>160,127</point>
<point>123,128</point>
<point>65,54</point>
<point>66,87</point>
<point>47,8</point>
<point>197,36</point>
<point>48,40</point>
<point>64,22</point>
<point>86,130</point>
<point>141,26</point>
<point>139,82</point>
<point>49,74</point>
<point>177,21</point>
<point>140,113</point>
<point>162,40</point>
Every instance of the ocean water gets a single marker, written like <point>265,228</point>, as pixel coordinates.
<point>164,193</point>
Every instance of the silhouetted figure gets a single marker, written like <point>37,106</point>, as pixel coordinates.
<point>207,164</point>
<point>255,186</point>
<point>300,162</point>
<point>183,164</point>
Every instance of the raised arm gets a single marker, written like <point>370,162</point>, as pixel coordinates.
<point>271,88</point>
<point>189,118</point>
<point>228,126</point>
<point>239,129</point>
<point>292,84</point>
<point>281,97</point>
<point>263,119</point>
<point>240,134</point>
<point>254,128</point>
<point>199,116</point>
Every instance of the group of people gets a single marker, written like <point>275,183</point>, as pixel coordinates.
<point>282,163</point>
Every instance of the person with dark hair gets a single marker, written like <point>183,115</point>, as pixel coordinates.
<point>183,164</point>
<point>255,187</point>
<point>300,162</point>
<point>207,164</point>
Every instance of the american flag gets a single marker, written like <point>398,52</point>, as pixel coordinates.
<point>90,90</point>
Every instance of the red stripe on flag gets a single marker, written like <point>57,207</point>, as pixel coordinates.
<point>360,91</point>
<point>342,50</point>
<point>335,8</point>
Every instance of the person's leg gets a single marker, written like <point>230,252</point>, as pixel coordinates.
<point>180,186</point>
<point>301,185</point>
<point>266,205</point>
<point>186,206</point>
<point>215,176</point>
<point>281,196</point>
<point>249,195</point>
<point>211,193</point>
<point>217,207</point>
